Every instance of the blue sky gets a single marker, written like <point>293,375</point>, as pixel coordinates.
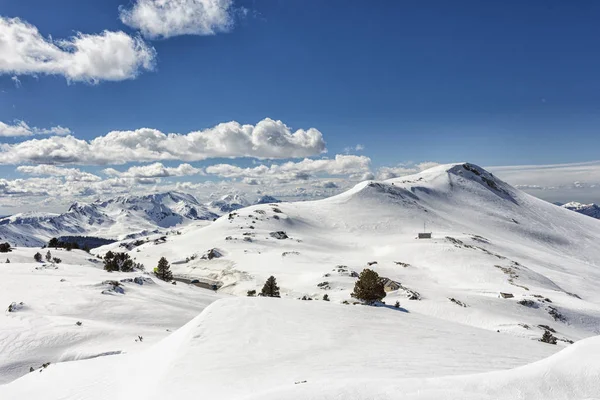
<point>494,83</point>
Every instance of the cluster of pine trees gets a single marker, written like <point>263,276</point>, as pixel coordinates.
<point>114,262</point>
<point>56,244</point>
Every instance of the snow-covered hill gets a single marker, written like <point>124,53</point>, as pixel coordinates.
<point>111,219</point>
<point>56,297</point>
<point>488,238</point>
<point>591,210</point>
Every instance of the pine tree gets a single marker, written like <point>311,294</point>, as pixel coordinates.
<point>369,287</point>
<point>326,297</point>
<point>37,257</point>
<point>270,289</point>
<point>7,261</point>
<point>48,256</point>
<point>163,270</point>
<point>118,262</point>
<point>53,243</point>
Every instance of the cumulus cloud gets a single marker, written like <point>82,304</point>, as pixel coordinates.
<point>156,170</point>
<point>167,18</point>
<point>20,128</point>
<point>108,56</point>
<point>26,187</point>
<point>69,174</point>
<point>267,139</point>
<point>303,170</point>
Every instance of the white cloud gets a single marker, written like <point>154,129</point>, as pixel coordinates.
<point>16,81</point>
<point>290,171</point>
<point>267,139</point>
<point>404,169</point>
<point>108,56</point>
<point>167,18</point>
<point>357,148</point>
<point>554,175</point>
<point>384,173</point>
<point>426,165</point>
<point>69,174</point>
<point>156,170</point>
<point>20,128</point>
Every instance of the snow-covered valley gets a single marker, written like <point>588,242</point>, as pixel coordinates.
<point>500,269</point>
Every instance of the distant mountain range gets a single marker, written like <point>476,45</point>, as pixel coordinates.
<point>591,210</point>
<point>116,218</point>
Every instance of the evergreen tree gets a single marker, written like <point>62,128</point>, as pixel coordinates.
<point>48,256</point>
<point>270,289</point>
<point>163,270</point>
<point>7,261</point>
<point>118,262</point>
<point>53,243</point>
<point>326,297</point>
<point>37,257</point>
<point>109,262</point>
<point>369,287</point>
<point>4,247</point>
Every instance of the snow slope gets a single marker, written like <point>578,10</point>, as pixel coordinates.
<point>488,238</point>
<point>110,219</point>
<point>44,329</point>
<point>591,210</point>
<point>283,349</point>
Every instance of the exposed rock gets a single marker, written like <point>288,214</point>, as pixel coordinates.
<point>212,253</point>
<point>14,307</point>
<point>457,302</point>
<point>279,235</point>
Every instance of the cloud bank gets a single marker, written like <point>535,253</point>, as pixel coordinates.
<point>268,139</point>
<point>292,171</point>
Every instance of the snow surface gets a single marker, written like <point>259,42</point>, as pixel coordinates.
<point>284,349</point>
<point>57,296</point>
<point>460,340</point>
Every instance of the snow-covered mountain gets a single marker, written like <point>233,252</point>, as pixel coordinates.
<point>501,269</point>
<point>591,210</point>
<point>266,199</point>
<point>488,238</point>
<point>228,203</point>
<point>112,218</point>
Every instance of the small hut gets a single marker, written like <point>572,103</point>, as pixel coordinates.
<point>424,234</point>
